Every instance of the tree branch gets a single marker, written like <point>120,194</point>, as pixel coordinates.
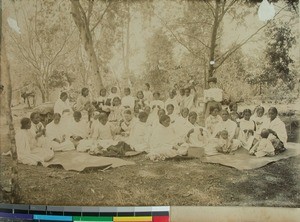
<point>227,54</point>
<point>211,8</point>
<point>101,17</point>
<point>205,45</point>
<point>175,36</point>
<point>90,9</point>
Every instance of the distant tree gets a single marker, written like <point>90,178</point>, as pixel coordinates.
<point>278,55</point>
<point>44,41</point>
<point>159,56</point>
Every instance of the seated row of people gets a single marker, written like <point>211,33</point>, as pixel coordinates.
<point>160,133</point>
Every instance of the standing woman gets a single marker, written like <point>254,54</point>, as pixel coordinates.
<point>147,93</point>
<point>277,130</point>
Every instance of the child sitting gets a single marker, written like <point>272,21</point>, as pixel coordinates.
<point>264,146</point>
<point>224,144</point>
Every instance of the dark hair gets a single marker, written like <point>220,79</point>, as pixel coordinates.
<point>83,90</point>
<point>225,110</point>
<point>192,114</point>
<point>148,85</point>
<point>264,133</point>
<point>231,105</point>
<point>77,113</point>
<point>260,108</point>
<point>24,122</point>
<point>140,92</point>
<point>33,114</point>
<point>247,111</point>
<point>127,88</point>
<point>56,114</point>
<point>274,109</point>
<point>170,105</point>
<point>163,118</point>
<point>212,108</point>
<point>142,114</point>
<point>188,88</point>
<point>103,89</point>
<point>102,114</point>
<point>128,111</point>
<point>63,94</point>
<point>156,93</point>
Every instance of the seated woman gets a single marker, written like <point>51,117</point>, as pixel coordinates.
<point>247,129</point>
<point>218,136</point>
<point>264,146</point>
<point>103,130</point>
<point>140,100</point>
<point>78,128</point>
<point>277,130</point>
<point>172,100</point>
<point>116,111</point>
<point>213,119</point>
<point>57,134</point>
<point>139,134</point>
<point>62,105</point>
<point>234,114</point>
<point>258,117</point>
<point>164,143</point>
<point>171,112</point>
<point>38,130</point>
<point>226,124</point>
<point>181,123</point>
<point>27,151</point>
<point>157,103</point>
<point>102,103</point>
<point>84,104</point>
<point>197,136</point>
<point>126,124</point>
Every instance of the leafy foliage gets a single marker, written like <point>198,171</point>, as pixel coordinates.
<point>278,55</point>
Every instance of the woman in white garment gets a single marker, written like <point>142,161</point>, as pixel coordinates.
<point>277,130</point>
<point>57,134</point>
<point>27,151</point>
<point>62,106</point>
<point>197,136</point>
<point>164,143</point>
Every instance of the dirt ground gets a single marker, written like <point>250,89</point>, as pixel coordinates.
<point>172,182</point>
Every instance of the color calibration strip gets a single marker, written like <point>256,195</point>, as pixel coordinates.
<point>84,214</point>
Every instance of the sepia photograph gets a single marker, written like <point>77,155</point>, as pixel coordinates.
<point>150,103</point>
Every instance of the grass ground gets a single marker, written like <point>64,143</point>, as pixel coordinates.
<point>173,182</point>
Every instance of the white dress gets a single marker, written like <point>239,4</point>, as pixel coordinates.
<point>58,131</point>
<point>27,154</point>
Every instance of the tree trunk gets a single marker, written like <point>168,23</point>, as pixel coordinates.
<point>127,55</point>
<point>214,34</point>
<point>5,71</point>
<point>82,24</point>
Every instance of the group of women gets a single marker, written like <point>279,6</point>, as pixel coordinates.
<point>145,123</point>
